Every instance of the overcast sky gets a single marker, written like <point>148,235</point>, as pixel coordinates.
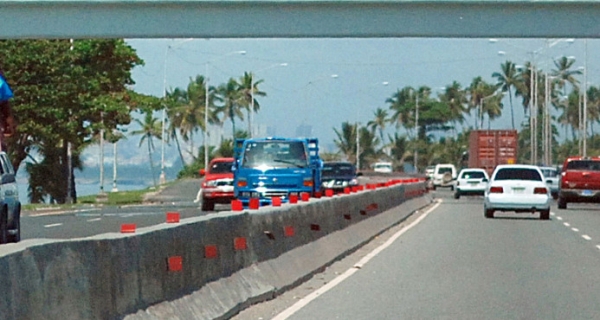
<point>303,92</point>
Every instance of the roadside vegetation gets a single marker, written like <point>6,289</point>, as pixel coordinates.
<point>69,94</point>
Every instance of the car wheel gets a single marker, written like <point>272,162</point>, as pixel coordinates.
<point>434,187</point>
<point>208,205</point>
<point>562,203</point>
<point>16,234</point>
<point>456,195</point>
<point>488,213</point>
<point>554,196</point>
<point>451,188</point>
<point>545,214</point>
<point>3,226</point>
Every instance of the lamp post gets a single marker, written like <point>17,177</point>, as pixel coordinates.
<point>251,112</point>
<point>207,101</point>
<point>163,179</point>
<point>584,120</point>
<point>416,155</point>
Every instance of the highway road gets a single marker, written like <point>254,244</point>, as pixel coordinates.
<point>452,263</point>
<point>93,220</point>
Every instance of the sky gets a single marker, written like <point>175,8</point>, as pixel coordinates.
<point>306,92</point>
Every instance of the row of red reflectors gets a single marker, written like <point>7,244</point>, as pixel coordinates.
<point>539,190</point>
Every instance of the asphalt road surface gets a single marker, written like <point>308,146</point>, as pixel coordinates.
<point>456,264</point>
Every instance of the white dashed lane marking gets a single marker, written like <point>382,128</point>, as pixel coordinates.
<point>96,219</point>
<point>53,225</point>
<point>575,229</point>
<point>551,213</point>
<point>567,224</point>
<point>586,237</point>
<point>558,218</point>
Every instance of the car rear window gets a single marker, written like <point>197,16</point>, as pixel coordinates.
<point>221,167</point>
<point>443,170</point>
<point>473,175</point>
<point>330,169</point>
<point>549,173</point>
<point>587,165</point>
<point>518,174</point>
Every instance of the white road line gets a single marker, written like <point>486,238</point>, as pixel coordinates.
<point>53,225</point>
<point>558,218</point>
<point>575,229</point>
<point>598,246</point>
<point>552,213</point>
<point>315,294</point>
<point>586,237</point>
<point>96,219</point>
<point>567,224</point>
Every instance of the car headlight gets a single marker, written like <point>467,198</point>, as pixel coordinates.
<point>210,183</point>
<point>353,182</point>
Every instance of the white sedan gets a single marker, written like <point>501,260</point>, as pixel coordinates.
<point>471,182</point>
<point>519,188</point>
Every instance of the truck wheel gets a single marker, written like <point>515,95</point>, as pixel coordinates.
<point>545,214</point>
<point>457,195</point>
<point>208,205</point>
<point>16,227</point>
<point>488,213</point>
<point>562,203</point>
<point>3,226</point>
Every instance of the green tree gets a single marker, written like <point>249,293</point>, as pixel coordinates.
<point>346,140</point>
<point>232,102</point>
<point>249,91</point>
<point>379,121</point>
<point>507,79</point>
<point>61,91</point>
<point>151,128</point>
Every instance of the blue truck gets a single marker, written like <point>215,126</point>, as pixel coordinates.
<point>276,167</point>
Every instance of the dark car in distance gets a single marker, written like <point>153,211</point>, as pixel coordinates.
<point>337,175</point>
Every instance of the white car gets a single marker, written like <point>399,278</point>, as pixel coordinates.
<point>444,175</point>
<point>519,188</point>
<point>551,175</point>
<point>471,182</point>
<point>383,167</point>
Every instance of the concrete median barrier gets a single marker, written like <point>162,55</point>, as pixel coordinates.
<point>207,267</point>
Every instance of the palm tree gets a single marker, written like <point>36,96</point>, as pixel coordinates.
<point>151,128</point>
<point>402,104</point>
<point>507,79</point>
<point>564,73</point>
<point>379,122</point>
<point>346,140</point>
<point>456,99</point>
<point>249,90</point>
<point>232,99</point>
<point>399,149</point>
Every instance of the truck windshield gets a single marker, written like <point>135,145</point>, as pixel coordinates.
<point>275,154</point>
<point>338,169</point>
<point>587,165</point>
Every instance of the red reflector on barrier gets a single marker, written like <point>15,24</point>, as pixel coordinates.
<point>329,193</point>
<point>237,205</point>
<point>346,190</point>
<point>240,243</point>
<point>305,196</point>
<point>363,212</point>
<point>172,217</point>
<point>254,203</point>
<point>128,228</point>
<point>347,217</point>
<point>288,231</point>
<point>210,251</point>
<point>276,201</point>
<point>293,198</point>
<point>175,263</point>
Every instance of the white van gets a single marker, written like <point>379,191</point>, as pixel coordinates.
<point>383,167</point>
<point>444,175</point>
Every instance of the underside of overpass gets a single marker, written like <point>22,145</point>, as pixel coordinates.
<point>297,19</point>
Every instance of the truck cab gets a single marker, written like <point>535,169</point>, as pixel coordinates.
<point>276,167</point>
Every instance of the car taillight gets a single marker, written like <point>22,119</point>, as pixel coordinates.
<point>496,190</point>
<point>308,183</point>
<point>540,191</point>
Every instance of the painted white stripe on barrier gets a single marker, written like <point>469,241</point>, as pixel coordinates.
<point>315,294</point>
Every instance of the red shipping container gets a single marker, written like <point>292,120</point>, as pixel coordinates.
<point>489,148</point>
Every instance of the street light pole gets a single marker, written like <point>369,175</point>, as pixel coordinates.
<point>207,106</point>
<point>163,178</point>
<point>416,160</point>
<point>584,120</point>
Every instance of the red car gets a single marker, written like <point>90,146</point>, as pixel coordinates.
<point>217,186</point>
<point>579,181</point>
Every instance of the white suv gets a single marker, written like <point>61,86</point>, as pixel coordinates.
<point>444,175</point>
<point>10,207</point>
